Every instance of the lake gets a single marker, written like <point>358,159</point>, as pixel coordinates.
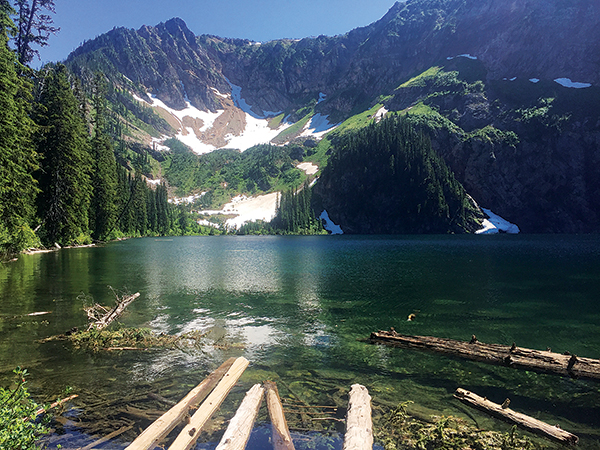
<point>297,307</point>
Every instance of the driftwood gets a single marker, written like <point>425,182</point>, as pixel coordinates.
<point>163,426</point>
<point>239,429</point>
<point>501,355</point>
<point>107,438</point>
<point>55,404</point>
<point>282,440</point>
<point>359,425</point>
<point>505,413</point>
<point>191,432</point>
<point>99,323</point>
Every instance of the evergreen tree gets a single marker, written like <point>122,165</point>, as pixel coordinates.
<point>34,27</point>
<point>103,214</point>
<point>18,159</point>
<point>65,177</point>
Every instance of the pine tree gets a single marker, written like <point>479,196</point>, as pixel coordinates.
<point>65,177</point>
<point>34,27</point>
<point>103,214</point>
<point>18,159</point>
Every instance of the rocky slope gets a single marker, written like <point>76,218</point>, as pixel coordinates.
<point>529,150</point>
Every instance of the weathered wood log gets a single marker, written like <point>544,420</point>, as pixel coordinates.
<point>55,404</point>
<point>501,355</point>
<point>111,315</point>
<point>163,426</point>
<point>359,425</point>
<point>107,438</point>
<point>239,429</point>
<point>505,413</point>
<point>282,440</point>
<point>191,432</point>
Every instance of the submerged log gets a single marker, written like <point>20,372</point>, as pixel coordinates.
<point>501,355</point>
<point>359,425</point>
<point>239,429</point>
<point>191,432</point>
<point>169,420</point>
<point>111,315</point>
<point>505,413</point>
<point>282,440</point>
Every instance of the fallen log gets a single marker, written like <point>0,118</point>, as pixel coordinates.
<point>505,413</point>
<point>111,315</point>
<point>191,432</point>
<point>501,355</point>
<point>282,440</point>
<point>239,429</point>
<point>107,438</point>
<point>169,420</point>
<point>359,425</point>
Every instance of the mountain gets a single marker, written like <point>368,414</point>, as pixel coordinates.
<point>508,92</point>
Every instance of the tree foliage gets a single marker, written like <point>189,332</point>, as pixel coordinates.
<point>18,159</point>
<point>34,24</point>
<point>387,179</point>
<point>66,163</point>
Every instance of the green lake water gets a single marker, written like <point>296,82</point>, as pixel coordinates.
<point>296,307</point>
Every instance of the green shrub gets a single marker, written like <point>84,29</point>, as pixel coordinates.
<point>19,429</point>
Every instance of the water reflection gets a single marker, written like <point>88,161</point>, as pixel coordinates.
<point>296,305</point>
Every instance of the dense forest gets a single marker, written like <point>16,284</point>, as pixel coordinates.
<point>386,179</point>
<point>60,182</point>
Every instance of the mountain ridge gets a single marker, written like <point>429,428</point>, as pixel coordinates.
<point>485,79</point>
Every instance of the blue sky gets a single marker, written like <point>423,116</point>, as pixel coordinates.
<point>259,20</point>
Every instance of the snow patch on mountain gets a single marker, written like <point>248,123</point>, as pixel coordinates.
<point>257,129</point>
<point>308,168</point>
<point>318,126</point>
<point>464,55</point>
<point>566,82</point>
<point>329,225</point>
<point>495,224</point>
<point>248,209</point>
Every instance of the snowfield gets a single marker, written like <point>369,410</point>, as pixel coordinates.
<point>256,130</point>
<point>308,168</point>
<point>566,82</point>
<point>248,209</point>
<point>496,224</point>
<point>329,225</point>
<point>318,126</point>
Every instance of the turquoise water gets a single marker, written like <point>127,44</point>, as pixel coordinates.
<point>296,307</point>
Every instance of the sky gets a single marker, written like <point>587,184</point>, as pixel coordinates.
<point>257,20</point>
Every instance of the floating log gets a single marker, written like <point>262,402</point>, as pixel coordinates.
<point>192,430</point>
<point>505,413</point>
<point>359,425</point>
<point>501,355</point>
<point>282,440</point>
<point>239,429</point>
<point>169,420</point>
<point>111,315</point>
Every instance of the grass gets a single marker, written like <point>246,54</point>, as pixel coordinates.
<point>421,79</point>
<point>294,130</point>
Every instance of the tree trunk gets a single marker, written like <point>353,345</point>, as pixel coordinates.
<point>281,434</point>
<point>169,420</point>
<point>239,429</point>
<point>505,413</point>
<point>191,432</point>
<point>359,425</point>
<point>501,355</point>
